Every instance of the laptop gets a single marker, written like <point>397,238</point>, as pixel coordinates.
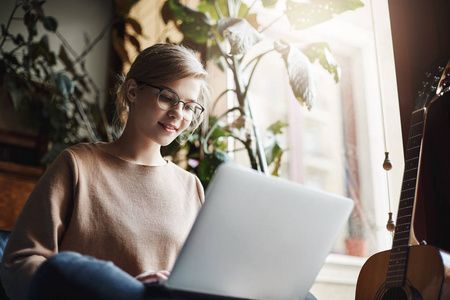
<point>258,237</point>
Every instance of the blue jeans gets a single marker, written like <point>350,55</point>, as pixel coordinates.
<point>69,275</point>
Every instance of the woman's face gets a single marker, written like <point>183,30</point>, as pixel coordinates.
<point>153,123</point>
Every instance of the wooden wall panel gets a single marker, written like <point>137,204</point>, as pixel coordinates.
<point>16,183</point>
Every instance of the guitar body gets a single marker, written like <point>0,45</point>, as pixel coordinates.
<point>424,276</point>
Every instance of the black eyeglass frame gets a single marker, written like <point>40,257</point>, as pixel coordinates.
<point>179,100</point>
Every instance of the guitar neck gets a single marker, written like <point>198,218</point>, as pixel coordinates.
<point>398,258</point>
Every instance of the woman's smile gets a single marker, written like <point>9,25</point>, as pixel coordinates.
<point>169,127</point>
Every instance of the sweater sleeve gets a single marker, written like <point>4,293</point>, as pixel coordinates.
<point>40,226</point>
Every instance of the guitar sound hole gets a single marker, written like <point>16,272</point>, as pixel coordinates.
<point>395,294</point>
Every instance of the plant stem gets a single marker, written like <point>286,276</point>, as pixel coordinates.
<point>15,49</point>
<point>100,109</point>
<point>259,148</point>
<point>9,23</point>
<point>268,26</point>
<point>249,8</point>
<point>220,96</point>
<point>224,55</point>
<point>219,13</point>
<point>100,36</point>
<point>92,83</point>
<point>237,7</point>
<point>213,127</point>
<point>251,156</point>
<point>230,8</point>
<point>258,59</point>
<point>85,119</point>
<point>244,102</point>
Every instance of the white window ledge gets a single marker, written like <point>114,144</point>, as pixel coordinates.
<point>340,269</point>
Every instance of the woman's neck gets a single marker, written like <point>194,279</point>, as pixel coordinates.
<point>136,150</point>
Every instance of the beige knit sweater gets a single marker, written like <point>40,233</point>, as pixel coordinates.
<point>97,204</point>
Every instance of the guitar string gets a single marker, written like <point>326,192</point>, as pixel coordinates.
<point>382,109</point>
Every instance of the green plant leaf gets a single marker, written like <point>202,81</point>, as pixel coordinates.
<point>269,3</point>
<point>30,20</point>
<point>219,131</point>
<point>214,55</point>
<point>19,40</point>
<point>50,24</point>
<point>167,13</point>
<point>276,127</point>
<point>277,163</point>
<point>194,25</point>
<point>300,72</point>
<point>66,60</point>
<point>10,58</point>
<point>208,165</point>
<point>272,150</point>
<point>64,85</point>
<point>41,49</point>
<point>241,35</point>
<point>303,15</point>
<point>322,53</point>
<point>26,6</point>
<point>44,42</point>
<point>208,6</point>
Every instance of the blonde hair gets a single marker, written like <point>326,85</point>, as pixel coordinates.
<point>159,64</point>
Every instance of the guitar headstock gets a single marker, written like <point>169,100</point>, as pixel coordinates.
<point>434,85</point>
<point>444,82</point>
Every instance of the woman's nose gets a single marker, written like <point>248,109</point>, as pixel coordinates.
<point>177,111</point>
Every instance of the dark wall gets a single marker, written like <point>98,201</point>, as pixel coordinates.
<point>421,37</point>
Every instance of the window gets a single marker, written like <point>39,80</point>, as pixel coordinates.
<point>339,145</point>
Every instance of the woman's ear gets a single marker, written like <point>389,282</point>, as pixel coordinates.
<point>131,90</point>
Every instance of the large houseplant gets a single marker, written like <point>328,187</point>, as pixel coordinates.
<point>51,90</point>
<point>217,25</point>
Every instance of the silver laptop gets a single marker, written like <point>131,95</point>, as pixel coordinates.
<point>258,237</point>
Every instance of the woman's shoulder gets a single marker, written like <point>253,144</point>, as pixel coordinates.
<point>181,173</point>
<point>82,152</point>
<point>187,179</point>
<point>83,147</point>
<point>179,170</point>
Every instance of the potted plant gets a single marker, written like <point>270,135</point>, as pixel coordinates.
<point>224,32</point>
<point>51,91</point>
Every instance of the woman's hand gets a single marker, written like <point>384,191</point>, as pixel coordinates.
<point>152,276</point>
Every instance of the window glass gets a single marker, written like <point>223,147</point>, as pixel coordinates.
<point>338,146</point>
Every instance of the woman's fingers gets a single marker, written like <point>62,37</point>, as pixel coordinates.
<point>152,276</point>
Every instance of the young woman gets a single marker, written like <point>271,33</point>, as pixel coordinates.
<point>106,217</point>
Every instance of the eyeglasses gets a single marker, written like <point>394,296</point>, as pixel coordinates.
<point>168,99</point>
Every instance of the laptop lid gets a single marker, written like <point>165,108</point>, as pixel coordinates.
<point>258,237</point>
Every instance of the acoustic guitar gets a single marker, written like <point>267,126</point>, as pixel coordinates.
<point>409,272</point>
